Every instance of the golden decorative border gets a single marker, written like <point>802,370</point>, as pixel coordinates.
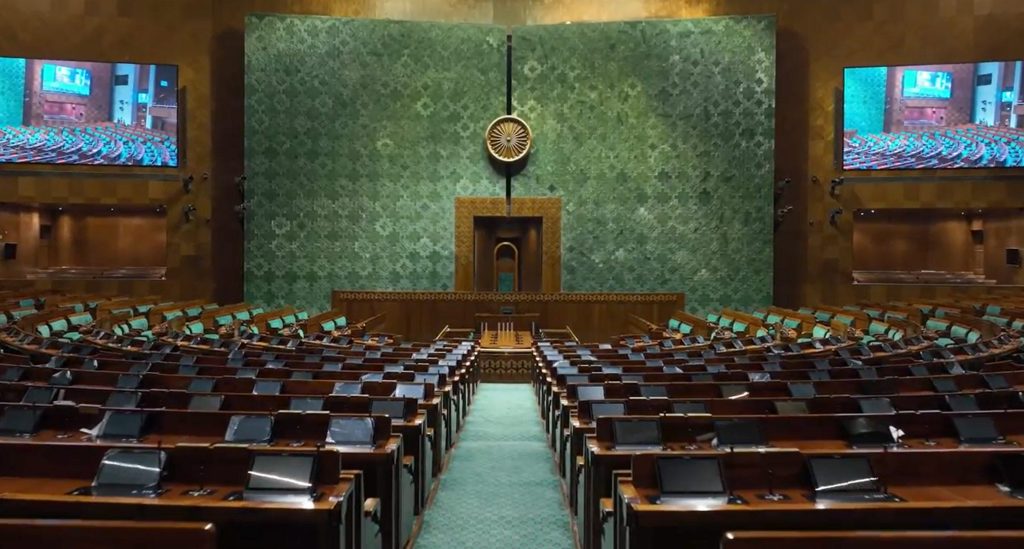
<point>548,208</point>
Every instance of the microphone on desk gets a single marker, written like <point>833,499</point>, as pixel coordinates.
<point>201,490</point>
<point>772,495</point>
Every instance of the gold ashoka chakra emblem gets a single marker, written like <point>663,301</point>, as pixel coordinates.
<point>508,139</point>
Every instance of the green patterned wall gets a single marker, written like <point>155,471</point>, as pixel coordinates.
<point>864,98</point>
<point>12,91</point>
<point>658,135</point>
<point>359,136</point>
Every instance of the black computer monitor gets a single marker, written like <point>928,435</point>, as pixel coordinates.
<point>201,385</point>
<point>138,369</point>
<point>962,403</point>
<point>945,385</point>
<point>628,433</point>
<point>205,403</point>
<point>129,470</point>
<point>654,391</point>
<point>20,420</point>
<point>589,392</point>
<point>249,429</point>
<point>690,476</point>
<point>735,391</point>
<point>866,431</point>
<point>394,409</point>
<point>122,425</point>
<point>818,375</point>
<point>246,372</point>
<point>880,405</point>
<point>306,404</point>
<point>831,475</point>
<point>802,390</point>
<point>790,408</point>
<point>1011,469</point>
<point>689,408</point>
<point>372,376</point>
<point>738,432</point>
<point>977,430</point>
<point>417,391</point>
<point>39,395</point>
<point>602,409</point>
<point>122,399</point>
<point>266,387</point>
<point>920,371</point>
<point>289,473</point>
<point>347,388</point>
<point>996,382</point>
<point>12,374</point>
<point>350,431</point>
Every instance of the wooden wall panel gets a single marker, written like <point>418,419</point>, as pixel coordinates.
<point>422,315</point>
<point>896,241</point>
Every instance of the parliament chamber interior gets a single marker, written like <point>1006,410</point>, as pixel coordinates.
<point>510,274</point>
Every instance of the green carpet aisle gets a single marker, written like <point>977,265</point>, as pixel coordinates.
<point>500,490</point>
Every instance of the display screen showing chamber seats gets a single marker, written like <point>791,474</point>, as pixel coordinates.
<point>636,433</point>
<point>350,431</point>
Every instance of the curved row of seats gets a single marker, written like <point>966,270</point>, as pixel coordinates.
<point>909,389</point>
<point>106,143</point>
<point>956,147</point>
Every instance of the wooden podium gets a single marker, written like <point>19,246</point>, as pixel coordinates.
<point>506,352</point>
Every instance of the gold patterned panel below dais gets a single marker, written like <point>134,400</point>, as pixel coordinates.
<point>509,368</point>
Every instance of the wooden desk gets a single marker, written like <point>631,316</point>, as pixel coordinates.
<point>988,539</point>
<point>106,534</point>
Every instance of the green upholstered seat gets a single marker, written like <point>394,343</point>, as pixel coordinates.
<point>256,311</point>
<point>973,336</point>
<point>712,317</point>
<point>71,336</point>
<point>673,324</point>
<point>823,316</point>
<point>80,319</point>
<point>993,309</point>
<point>1002,321</point>
<point>846,320</point>
<point>242,315</point>
<point>739,327</point>
<point>3,319</point>
<point>1017,324</point>
<point>685,328</point>
<point>120,329</point>
<point>194,328</point>
<point>873,313</point>
<point>275,324</point>
<point>761,332</point>
<point>288,319</point>
<point>761,314</point>
<point>937,325</point>
<point>773,318</point>
<point>958,331</point>
<point>341,321</point>
<point>302,315</point>
<point>43,330</point>
<point>19,314</point>
<point>222,320</point>
<point>139,323</point>
<point>895,334</point>
<point>27,302</point>
<point>193,311</point>
<point>945,342</point>
<point>876,328</point>
<point>806,310</point>
<point>793,323</point>
<point>143,309</point>
<point>209,306</point>
<point>868,339</point>
<point>171,315</point>
<point>59,325</point>
<point>725,321</point>
<point>78,307</point>
<point>327,325</point>
<point>820,331</point>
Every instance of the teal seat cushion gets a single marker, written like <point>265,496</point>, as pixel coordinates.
<point>209,306</point>
<point>302,315</point>
<point>275,324</point>
<point>1018,324</point>
<point>119,329</point>
<point>171,315</point>
<point>761,314</point>
<point>823,316</point>
<point>327,325</point>
<point>341,322</point>
<point>936,325</point>
<point>242,315</point>
<point>3,319</point>
<point>761,332</point>
<point>844,319</point>
<point>973,336</point>
<point>673,324</point>
<point>1000,320</point>
<point>712,317</point>
<point>739,327</point>
<point>820,331</point>
<point>222,320</point>
<point>288,320</point>
<point>773,318</point>
<point>126,311</point>
<point>80,319</point>
<point>139,323</point>
<point>256,311</point>
<point>867,339</point>
<point>27,302</point>
<point>211,336</point>
<point>685,328</point>
<point>793,323</point>
<point>993,309</point>
<point>59,325</point>
<point>43,330</point>
<point>806,310</point>
<point>193,311</point>
<point>72,336</point>
<point>958,331</point>
<point>876,328</point>
<point>143,309</point>
<point>19,314</point>
<point>945,342</point>
<point>194,328</point>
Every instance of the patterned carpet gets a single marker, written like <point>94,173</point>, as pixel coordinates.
<point>500,490</point>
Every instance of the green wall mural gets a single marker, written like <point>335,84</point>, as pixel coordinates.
<point>864,90</point>
<point>658,136</point>
<point>12,91</point>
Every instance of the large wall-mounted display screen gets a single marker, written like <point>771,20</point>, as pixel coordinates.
<point>88,113</point>
<point>944,116</point>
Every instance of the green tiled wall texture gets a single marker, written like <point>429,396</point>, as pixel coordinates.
<point>658,136</point>
<point>12,91</point>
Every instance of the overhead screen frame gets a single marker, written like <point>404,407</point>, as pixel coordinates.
<point>118,169</point>
<point>911,173</point>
